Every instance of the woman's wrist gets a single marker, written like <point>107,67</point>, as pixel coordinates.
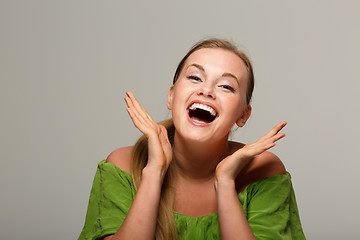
<point>153,174</point>
<point>224,183</point>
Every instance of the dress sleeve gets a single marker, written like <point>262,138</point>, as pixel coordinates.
<point>272,211</point>
<point>110,199</point>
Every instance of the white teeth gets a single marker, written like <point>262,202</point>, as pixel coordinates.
<point>203,107</point>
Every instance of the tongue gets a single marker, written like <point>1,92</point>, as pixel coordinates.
<point>200,120</point>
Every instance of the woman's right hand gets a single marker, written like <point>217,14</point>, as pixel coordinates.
<point>145,206</point>
<point>159,147</point>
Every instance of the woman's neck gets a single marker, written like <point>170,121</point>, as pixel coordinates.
<point>198,160</point>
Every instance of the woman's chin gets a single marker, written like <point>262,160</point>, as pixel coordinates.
<point>201,135</point>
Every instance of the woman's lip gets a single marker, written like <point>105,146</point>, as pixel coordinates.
<point>201,124</point>
<point>204,103</point>
<point>196,123</point>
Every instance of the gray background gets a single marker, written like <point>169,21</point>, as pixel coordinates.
<point>65,66</point>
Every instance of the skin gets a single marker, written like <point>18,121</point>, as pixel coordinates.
<point>202,156</point>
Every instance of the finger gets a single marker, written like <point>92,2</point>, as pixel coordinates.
<point>165,143</point>
<point>146,126</point>
<point>278,136</point>
<point>136,105</point>
<point>279,127</point>
<point>275,130</point>
<point>270,142</point>
<point>269,145</point>
<point>139,124</point>
<point>134,114</point>
<point>138,112</point>
<point>133,104</point>
<point>164,134</point>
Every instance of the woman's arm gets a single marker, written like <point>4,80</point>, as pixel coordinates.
<point>232,221</point>
<point>140,222</point>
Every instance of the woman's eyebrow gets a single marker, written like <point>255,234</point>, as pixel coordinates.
<point>226,74</point>
<point>197,66</point>
<point>230,75</point>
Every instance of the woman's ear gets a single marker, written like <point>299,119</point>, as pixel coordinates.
<point>170,97</point>
<point>244,117</point>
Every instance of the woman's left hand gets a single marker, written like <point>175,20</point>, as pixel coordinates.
<point>230,167</point>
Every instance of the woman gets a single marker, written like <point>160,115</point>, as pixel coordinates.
<point>190,181</point>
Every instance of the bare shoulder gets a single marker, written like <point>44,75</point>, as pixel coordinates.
<point>264,165</point>
<point>121,158</point>
<point>268,164</point>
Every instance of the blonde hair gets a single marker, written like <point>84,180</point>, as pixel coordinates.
<point>166,228</point>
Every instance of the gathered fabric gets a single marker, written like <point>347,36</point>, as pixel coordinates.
<point>269,205</point>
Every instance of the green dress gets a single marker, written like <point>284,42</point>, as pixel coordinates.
<point>269,205</point>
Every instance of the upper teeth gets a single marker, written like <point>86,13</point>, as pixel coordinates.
<point>203,107</point>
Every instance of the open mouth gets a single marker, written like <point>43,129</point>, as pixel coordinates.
<point>202,113</point>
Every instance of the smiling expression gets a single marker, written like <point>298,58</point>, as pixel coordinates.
<point>209,96</point>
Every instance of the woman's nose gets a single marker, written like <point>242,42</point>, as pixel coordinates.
<point>207,90</point>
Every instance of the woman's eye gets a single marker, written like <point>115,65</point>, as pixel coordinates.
<point>227,87</point>
<point>195,78</point>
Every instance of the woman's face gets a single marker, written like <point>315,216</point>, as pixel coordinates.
<point>209,95</point>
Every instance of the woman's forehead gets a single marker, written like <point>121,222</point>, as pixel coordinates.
<point>217,58</point>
